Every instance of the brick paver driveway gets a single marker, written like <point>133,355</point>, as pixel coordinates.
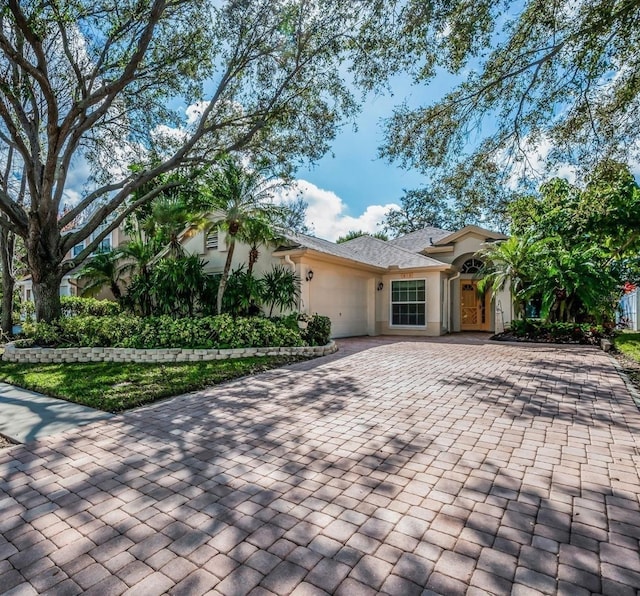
<point>455,465</point>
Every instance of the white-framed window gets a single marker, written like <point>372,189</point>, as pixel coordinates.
<point>77,249</point>
<point>408,303</point>
<point>105,245</point>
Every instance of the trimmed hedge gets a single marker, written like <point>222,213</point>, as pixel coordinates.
<point>219,332</point>
<point>78,306</point>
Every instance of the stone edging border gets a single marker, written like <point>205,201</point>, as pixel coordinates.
<point>59,355</point>
<point>635,395</point>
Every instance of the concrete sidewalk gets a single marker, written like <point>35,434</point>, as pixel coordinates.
<point>27,416</point>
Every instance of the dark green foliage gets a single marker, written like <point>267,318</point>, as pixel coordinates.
<point>281,288</point>
<point>539,331</point>
<point>318,331</point>
<point>241,201</point>
<point>77,305</point>
<point>352,234</point>
<point>573,246</point>
<point>178,285</point>
<point>243,295</point>
<point>109,81</point>
<point>534,74</point>
<point>103,269</point>
<point>127,331</point>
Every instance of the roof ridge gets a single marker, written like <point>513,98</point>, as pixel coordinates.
<point>410,252</point>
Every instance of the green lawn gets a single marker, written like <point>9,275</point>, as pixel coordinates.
<point>114,387</point>
<point>629,345</point>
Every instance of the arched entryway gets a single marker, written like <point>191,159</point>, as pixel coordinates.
<point>475,306</point>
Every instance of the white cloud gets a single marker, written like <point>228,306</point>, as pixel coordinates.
<point>535,165</point>
<point>328,215</point>
<point>195,111</point>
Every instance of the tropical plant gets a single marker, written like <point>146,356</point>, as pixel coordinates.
<point>550,77</point>
<point>571,281</point>
<point>240,202</point>
<point>104,269</point>
<point>511,263</point>
<point>318,331</point>
<point>178,285</point>
<point>244,294</point>
<point>138,255</point>
<point>258,232</point>
<point>107,81</point>
<point>281,288</point>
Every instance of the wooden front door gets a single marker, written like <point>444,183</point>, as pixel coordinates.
<point>474,315</point>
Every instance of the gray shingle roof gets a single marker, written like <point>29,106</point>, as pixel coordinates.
<point>385,254</point>
<point>364,249</point>
<point>419,240</point>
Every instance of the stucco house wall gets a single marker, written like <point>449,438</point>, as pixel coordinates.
<point>433,326</point>
<point>351,283</point>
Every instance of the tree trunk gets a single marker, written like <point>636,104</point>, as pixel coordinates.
<point>253,257</point>
<point>7,245</point>
<point>116,291</point>
<point>225,273</point>
<point>46,294</point>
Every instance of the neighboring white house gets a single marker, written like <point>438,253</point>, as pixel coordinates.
<point>628,310</point>
<point>424,283</point>
<point>69,283</point>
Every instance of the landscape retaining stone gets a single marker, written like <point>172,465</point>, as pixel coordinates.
<point>56,355</point>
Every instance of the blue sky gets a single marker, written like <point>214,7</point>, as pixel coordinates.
<point>351,187</point>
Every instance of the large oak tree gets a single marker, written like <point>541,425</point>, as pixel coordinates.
<point>110,82</point>
<point>560,79</point>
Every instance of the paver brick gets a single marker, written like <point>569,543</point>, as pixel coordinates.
<point>328,574</point>
<point>371,571</point>
<point>368,471</point>
<point>284,577</point>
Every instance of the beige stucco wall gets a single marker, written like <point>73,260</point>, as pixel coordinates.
<point>347,295</point>
<point>469,244</point>
<point>434,309</point>
<point>215,258</point>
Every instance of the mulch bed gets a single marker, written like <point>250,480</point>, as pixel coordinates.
<point>538,339</point>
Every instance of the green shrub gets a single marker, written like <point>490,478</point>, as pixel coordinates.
<point>318,331</point>
<point>78,306</point>
<point>85,331</point>
<point>129,331</point>
<point>582,333</point>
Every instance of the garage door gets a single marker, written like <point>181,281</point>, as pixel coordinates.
<point>343,299</point>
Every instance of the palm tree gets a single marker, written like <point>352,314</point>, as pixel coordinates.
<point>168,218</point>
<point>281,288</point>
<point>139,254</point>
<point>258,232</point>
<point>238,198</point>
<point>513,263</point>
<point>103,270</point>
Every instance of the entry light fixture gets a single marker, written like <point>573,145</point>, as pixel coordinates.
<point>380,286</point>
<point>309,275</point>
